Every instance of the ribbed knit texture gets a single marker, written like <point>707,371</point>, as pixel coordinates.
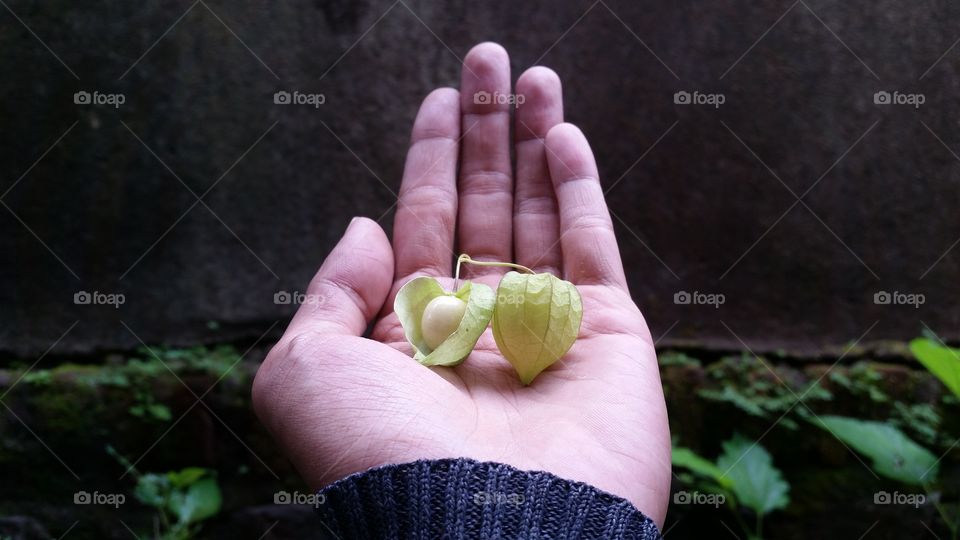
<point>460,498</point>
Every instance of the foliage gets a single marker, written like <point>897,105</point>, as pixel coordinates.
<point>744,473</point>
<point>214,361</point>
<point>182,499</point>
<point>942,361</point>
<point>892,453</point>
<point>675,358</point>
<point>862,380</point>
<point>140,374</point>
<point>147,407</point>
<point>754,481</point>
<point>684,457</point>
<point>921,419</point>
<point>747,384</point>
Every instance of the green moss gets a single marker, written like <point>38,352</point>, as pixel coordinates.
<point>674,358</point>
<point>759,388</point>
<point>68,408</point>
<point>862,380</point>
<point>39,377</point>
<point>921,419</point>
<point>214,361</point>
<point>70,396</point>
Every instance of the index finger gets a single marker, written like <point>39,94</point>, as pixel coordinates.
<point>590,251</point>
<point>427,208</point>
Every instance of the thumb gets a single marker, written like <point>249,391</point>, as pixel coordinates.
<point>351,285</point>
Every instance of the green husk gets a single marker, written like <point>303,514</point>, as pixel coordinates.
<point>535,321</point>
<point>413,298</point>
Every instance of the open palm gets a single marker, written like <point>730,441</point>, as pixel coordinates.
<point>340,403</point>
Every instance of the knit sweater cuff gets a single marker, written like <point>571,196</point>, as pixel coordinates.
<point>462,498</point>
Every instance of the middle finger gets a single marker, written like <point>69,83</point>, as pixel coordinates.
<point>485,226</point>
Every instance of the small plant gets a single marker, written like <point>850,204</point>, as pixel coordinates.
<point>861,380</point>
<point>745,475</point>
<point>147,406</point>
<point>940,360</point>
<point>892,455</point>
<point>182,499</point>
<point>677,358</point>
<point>749,385</point>
<point>944,363</point>
<point>920,419</point>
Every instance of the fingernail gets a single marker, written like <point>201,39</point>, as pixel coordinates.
<point>352,222</point>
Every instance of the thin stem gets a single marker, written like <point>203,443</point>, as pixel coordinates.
<point>736,515</point>
<point>464,258</point>
<point>952,525</point>
<point>945,516</point>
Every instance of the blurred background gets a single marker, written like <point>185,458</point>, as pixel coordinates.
<point>783,176</point>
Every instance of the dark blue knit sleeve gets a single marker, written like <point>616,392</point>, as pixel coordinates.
<point>461,498</point>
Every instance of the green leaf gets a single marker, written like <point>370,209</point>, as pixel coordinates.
<point>159,411</point>
<point>185,477</point>
<point>686,458</point>
<point>152,489</point>
<point>892,453</point>
<point>753,480</point>
<point>943,362</point>
<point>536,320</point>
<point>196,503</point>
<point>412,300</point>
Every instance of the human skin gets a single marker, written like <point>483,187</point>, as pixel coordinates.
<point>338,402</point>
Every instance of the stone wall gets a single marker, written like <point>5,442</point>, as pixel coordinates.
<point>59,423</point>
<point>103,198</point>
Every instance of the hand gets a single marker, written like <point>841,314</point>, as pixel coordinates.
<point>339,403</point>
